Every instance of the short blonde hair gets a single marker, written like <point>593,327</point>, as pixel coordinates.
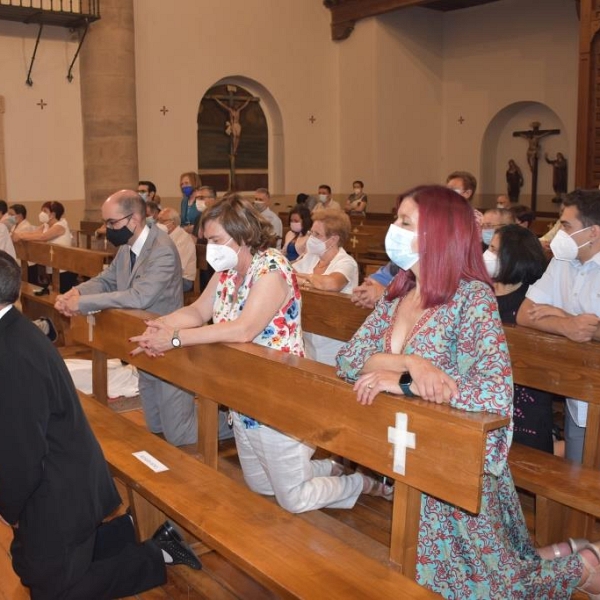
<point>335,222</point>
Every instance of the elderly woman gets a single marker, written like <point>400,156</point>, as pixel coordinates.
<point>294,243</point>
<point>326,266</point>
<point>254,297</point>
<point>54,228</point>
<point>437,334</point>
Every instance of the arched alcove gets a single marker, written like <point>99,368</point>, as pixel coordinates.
<point>499,145</point>
<point>271,173</point>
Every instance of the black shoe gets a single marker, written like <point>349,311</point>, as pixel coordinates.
<point>169,539</point>
<point>51,335</point>
<point>43,292</point>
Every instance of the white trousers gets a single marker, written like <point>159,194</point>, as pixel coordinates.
<point>279,465</point>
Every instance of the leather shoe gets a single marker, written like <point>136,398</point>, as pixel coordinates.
<point>170,540</point>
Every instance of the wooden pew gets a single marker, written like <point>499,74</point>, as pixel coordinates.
<point>567,495</point>
<point>86,263</point>
<point>323,412</point>
<point>284,553</point>
<point>201,265</point>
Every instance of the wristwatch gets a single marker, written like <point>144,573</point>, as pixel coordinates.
<point>175,341</point>
<point>405,383</point>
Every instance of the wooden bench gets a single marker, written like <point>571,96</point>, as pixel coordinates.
<point>284,553</point>
<point>86,263</point>
<point>201,265</point>
<point>259,381</point>
<point>567,495</point>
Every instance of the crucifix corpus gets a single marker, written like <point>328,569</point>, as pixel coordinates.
<point>233,105</point>
<point>533,137</point>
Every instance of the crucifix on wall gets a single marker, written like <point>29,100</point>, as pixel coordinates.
<point>533,137</point>
<point>233,105</point>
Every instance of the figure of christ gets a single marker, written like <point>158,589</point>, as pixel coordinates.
<point>533,137</point>
<point>233,127</point>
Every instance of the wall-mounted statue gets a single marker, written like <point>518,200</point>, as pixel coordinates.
<point>559,175</point>
<point>514,181</point>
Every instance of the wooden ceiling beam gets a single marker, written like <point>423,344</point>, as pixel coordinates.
<point>345,13</point>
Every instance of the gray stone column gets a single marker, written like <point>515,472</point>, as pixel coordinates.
<point>108,105</point>
<point>2,154</point>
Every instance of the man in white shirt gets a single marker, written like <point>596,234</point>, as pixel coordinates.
<point>6,224</point>
<point>566,300</point>
<point>169,220</point>
<point>325,199</point>
<point>262,203</point>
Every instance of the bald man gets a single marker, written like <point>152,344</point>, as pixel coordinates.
<point>145,274</point>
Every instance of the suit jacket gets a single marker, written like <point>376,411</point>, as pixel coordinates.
<point>54,480</point>
<point>154,284</point>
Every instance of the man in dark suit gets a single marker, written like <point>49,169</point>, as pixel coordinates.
<point>145,274</point>
<point>55,486</point>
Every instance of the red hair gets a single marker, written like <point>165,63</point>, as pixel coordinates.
<point>449,247</point>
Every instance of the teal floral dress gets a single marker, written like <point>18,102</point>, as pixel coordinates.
<point>462,555</point>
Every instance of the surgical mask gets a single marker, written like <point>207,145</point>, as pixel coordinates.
<point>201,205</point>
<point>162,227</point>
<point>143,196</point>
<point>150,221</point>
<point>259,205</point>
<point>492,263</point>
<point>221,257</point>
<point>316,246</point>
<point>357,191</point>
<point>398,246</point>
<point>187,190</point>
<point>564,247</point>
<point>118,237</point>
<point>296,226</point>
<point>10,221</point>
<point>323,198</point>
<point>44,217</point>
<point>487,235</point>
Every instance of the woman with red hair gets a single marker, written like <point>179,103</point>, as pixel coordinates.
<point>437,335</point>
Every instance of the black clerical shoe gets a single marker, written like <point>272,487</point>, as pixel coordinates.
<point>47,328</point>
<point>169,539</point>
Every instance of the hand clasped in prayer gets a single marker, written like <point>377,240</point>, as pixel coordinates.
<point>155,341</point>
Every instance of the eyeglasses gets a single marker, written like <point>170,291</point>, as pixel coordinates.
<point>110,223</point>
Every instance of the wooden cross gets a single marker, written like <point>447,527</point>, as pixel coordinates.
<point>312,119</point>
<point>461,119</point>
<point>51,254</point>
<point>401,439</point>
<point>353,241</point>
<point>533,137</point>
<point>41,104</point>
<point>164,110</point>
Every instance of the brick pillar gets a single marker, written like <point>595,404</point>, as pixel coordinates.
<point>108,105</point>
<point>2,154</point>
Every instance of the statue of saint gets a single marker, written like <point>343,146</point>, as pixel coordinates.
<point>559,175</point>
<point>514,181</point>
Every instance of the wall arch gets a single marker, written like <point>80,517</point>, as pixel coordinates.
<point>498,146</point>
<point>274,119</point>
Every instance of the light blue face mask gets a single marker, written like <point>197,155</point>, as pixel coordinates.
<point>487,235</point>
<point>398,246</point>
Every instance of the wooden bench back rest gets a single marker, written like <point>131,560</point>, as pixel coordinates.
<point>306,399</point>
<point>540,360</point>
<point>283,552</point>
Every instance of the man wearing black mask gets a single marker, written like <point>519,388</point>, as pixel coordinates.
<point>145,274</point>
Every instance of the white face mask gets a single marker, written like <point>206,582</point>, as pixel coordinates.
<point>162,227</point>
<point>316,246</point>
<point>201,205</point>
<point>323,198</point>
<point>44,217</point>
<point>221,257</point>
<point>357,191</point>
<point>143,196</point>
<point>260,206</point>
<point>296,227</point>
<point>491,263</point>
<point>398,246</point>
<point>564,247</point>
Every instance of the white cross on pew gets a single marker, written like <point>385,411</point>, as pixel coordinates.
<point>402,439</point>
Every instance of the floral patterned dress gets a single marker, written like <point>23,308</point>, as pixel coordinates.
<point>284,332</point>
<point>462,555</point>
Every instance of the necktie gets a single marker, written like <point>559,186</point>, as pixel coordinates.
<point>132,258</point>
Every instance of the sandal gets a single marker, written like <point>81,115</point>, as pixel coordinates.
<point>372,487</point>
<point>593,578</point>
<point>575,544</point>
